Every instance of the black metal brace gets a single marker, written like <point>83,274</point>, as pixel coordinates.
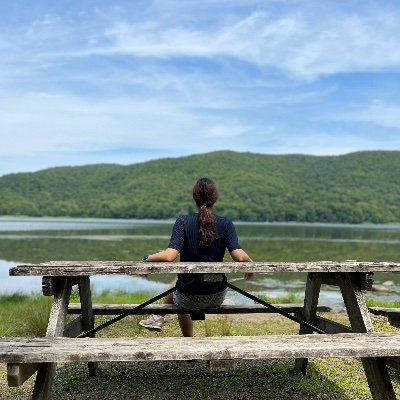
<point>134,309</point>
<point>277,310</point>
<point>180,286</point>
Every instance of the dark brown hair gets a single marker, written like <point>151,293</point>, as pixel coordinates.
<point>205,194</point>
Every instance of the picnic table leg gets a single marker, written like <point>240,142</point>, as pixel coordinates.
<point>87,314</point>
<point>46,371</point>
<point>309,312</point>
<point>375,368</point>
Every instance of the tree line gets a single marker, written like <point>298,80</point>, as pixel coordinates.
<point>361,187</point>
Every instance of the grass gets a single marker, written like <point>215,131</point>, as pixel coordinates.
<point>22,314</point>
<point>220,326</point>
<point>381,303</point>
<point>27,315</point>
<point>290,298</point>
<point>37,316</point>
<point>121,297</point>
<point>184,380</point>
<point>268,379</point>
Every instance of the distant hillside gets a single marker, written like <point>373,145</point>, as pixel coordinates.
<point>353,188</point>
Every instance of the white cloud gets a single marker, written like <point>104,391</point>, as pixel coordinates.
<point>227,130</point>
<point>329,143</point>
<point>378,113</point>
<point>41,123</point>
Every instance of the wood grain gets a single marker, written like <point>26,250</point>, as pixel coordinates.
<point>88,268</point>
<point>116,309</point>
<point>58,349</point>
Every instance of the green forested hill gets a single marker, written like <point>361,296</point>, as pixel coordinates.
<point>354,188</point>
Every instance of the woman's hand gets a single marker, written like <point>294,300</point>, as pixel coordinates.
<point>249,276</point>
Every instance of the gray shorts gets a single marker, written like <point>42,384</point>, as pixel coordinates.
<point>198,301</point>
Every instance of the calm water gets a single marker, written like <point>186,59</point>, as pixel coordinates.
<point>33,240</point>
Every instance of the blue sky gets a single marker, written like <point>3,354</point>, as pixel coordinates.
<point>87,82</point>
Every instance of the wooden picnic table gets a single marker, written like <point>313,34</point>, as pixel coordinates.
<point>353,278</point>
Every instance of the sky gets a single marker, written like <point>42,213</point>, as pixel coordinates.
<point>86,82</point>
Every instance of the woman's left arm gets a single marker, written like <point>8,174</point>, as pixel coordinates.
<point>240,255</point>
<point>167,255</point>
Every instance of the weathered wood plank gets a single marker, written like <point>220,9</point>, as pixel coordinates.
<point>31,350</point>
<point>308,313</point>
<point>375,369</point>
<point>385,311</point>
<point>17,374</point>
<point>74,328</point>
<point>50,284</point>
<point>58,312</point>
<point>331,326</point>
<point>354,301</point>
<point>393,362</point>
<point>87,313</point>
<point>116,309</point>
<point>392,314</point>
<point>378,378</point>
<point>88,268</point>
<point>59,309</point>
<point>363,280</point>
<point>86,302</point>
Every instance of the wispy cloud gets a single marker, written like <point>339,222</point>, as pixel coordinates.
<point>302,46</point>
<point>378,113</point>
<point>45,123</point>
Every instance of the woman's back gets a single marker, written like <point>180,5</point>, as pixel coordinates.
<point>198,237</point>
<point>186,239</point>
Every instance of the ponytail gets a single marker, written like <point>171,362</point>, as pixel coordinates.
<point>205,194</point>
<point>207,223</point>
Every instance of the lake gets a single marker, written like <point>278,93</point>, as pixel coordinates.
<point>34,240</point>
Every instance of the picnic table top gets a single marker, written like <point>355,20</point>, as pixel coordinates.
<point>88,268</point>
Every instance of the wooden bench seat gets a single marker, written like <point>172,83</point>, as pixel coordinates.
<point>44,350</point>
<point>392,314</point>
<point>115,309</point>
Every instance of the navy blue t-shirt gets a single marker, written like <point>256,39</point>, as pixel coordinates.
<point>185,238</point>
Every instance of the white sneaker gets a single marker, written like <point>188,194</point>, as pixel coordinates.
<point>153,322</point>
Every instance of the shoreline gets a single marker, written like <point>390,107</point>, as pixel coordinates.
<point>66,218</point>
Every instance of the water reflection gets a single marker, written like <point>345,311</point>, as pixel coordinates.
<point>10,284</point>
<point>33,240</point>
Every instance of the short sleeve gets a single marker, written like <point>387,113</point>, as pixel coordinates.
<point>177,236</point>
<point>232,241</point>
